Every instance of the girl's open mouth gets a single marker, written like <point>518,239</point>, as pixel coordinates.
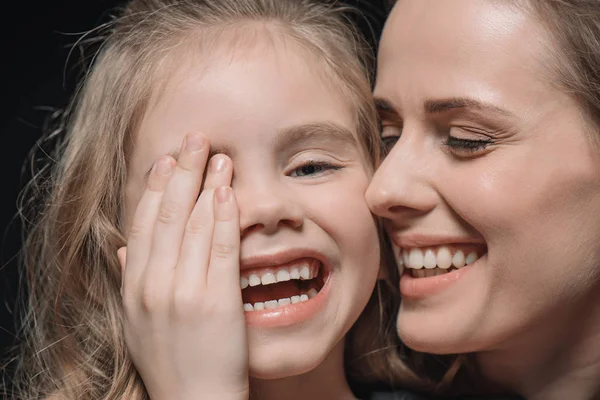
<point>286,294</point>
<point>274,287</point>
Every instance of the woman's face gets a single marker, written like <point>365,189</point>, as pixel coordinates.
<point>309,247</point>
<point>491,188</point>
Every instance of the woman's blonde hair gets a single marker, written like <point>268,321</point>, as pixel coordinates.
<point>73,345</point>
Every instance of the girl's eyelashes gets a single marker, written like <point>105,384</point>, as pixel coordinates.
<point>313,168</point>
<point>466,147</point>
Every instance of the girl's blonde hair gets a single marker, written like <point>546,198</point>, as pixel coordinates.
<point>73,345</point>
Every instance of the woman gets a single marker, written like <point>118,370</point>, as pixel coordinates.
<point>491,189</point>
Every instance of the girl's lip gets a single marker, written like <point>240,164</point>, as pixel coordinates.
<point>290,314</point>
<point>412,288</point>
<point>281,258</point>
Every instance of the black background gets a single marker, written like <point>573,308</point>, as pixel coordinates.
<point>38,76</point>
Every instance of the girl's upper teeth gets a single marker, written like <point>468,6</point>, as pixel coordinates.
<point>437,257</point>
<point>267,276</point>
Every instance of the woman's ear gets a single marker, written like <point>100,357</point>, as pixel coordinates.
<point>122,256</point>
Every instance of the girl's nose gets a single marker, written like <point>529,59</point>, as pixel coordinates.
<point>267,208</point>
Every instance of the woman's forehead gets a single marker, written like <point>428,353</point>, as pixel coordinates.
<point>481,48</point>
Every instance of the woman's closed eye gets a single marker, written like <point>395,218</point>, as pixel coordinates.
<point>388,143</point>
<point>389,135</point>
<point>458,144</point>
<point>462,147</point>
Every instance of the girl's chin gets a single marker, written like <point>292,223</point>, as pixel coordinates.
<point>280,366</point>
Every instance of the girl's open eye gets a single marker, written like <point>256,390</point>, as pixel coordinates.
<point>312,168</point>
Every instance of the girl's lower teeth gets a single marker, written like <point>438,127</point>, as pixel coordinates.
<point>272,304</point>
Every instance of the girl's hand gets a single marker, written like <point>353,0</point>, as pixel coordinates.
<point>184,320</point>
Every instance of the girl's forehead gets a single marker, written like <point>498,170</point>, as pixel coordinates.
<point>243,101</point>
<point>265,83</point>
<point>219,47</point>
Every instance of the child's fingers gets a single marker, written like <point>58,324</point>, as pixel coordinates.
<point>176,206</point>
<point>195,249</point>
<point>220,171</point>
<point>140,233</point>
<point>224,267</point>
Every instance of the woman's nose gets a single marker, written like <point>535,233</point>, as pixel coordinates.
<point>401,186</point>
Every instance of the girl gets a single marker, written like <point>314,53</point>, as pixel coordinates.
<point>491,190</point>
<point>264,271</point>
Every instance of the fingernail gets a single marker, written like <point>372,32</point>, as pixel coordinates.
<point>223,194</point>
<point>217,163</point>
<point>164,166</point>
<point>194,142</point>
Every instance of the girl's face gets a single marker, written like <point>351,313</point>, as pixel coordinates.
<point>490,165</point>
<point>309,249</point>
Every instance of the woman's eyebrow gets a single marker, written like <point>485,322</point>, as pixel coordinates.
<point>439,106</point>
<point>445,105</point>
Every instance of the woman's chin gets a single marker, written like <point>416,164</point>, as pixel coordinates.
<point>437,338</point>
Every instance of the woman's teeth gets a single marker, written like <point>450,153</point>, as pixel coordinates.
<point>436,260</point>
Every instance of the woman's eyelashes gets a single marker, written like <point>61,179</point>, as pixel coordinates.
<point>466,147</point>
<point>458,147</point>
<point>314,168</point>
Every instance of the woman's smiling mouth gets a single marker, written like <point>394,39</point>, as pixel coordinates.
<point>428,270</point>
<point>438,260</point>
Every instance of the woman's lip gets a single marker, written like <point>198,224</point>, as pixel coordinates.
<point>418,288</point>
<point>424,240</point>
<point>412,288</point>
<point>291,314</point>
